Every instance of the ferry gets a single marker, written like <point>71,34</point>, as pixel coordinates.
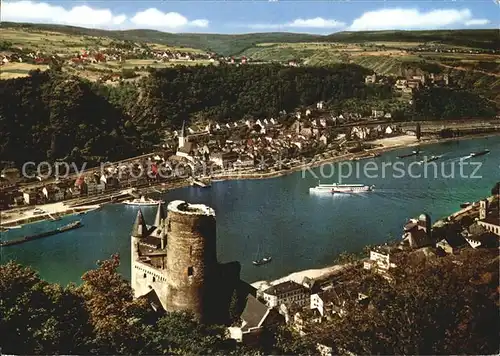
<point>262,261</point>
<point>143,202</point>
<point>341,188</point>
<point>480,153</point>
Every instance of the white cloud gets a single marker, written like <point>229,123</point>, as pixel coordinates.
<point>389,19</point>
<point>154,18</point>
<point>477,22</point>
<point>29,11</point>
<point>317,22</point>
<point>40,12</point>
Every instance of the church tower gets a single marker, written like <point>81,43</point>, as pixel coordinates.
<point>182,136</point>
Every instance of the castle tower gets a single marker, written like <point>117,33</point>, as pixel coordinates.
<point>182,136</point>
<point>483,209</point>
<point>139,231</point>
<point>191,259</point>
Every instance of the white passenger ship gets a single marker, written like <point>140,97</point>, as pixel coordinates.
<point>341,188</point>
<point>143,202</point>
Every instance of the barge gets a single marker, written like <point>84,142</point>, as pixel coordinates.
<point>70,226</point>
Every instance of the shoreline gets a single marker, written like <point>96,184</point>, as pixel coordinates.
<point>401,142</point>
<point>348,156</point>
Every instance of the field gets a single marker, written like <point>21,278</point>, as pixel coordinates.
<point>17,70</point>
<point>61,43</point>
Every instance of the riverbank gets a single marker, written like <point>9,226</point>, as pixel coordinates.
<point>52,211</point>
<point>298,277</point>
<point>386,145</point>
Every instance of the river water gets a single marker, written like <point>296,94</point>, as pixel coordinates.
<point>279,217</point>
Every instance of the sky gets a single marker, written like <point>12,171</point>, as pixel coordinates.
<point>240,16</point>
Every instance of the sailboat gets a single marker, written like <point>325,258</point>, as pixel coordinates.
<point>261,261</point>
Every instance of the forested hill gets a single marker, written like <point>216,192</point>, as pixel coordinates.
<point>229,44</point>
<point>487,39</point>
<point>222,44</point>
<point>53,116</point>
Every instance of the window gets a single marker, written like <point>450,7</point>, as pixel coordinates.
<point>144,275</point>
<point>190,250</point>
<point>190,271</point>
<point>168,227</point>
<point>154,279</point>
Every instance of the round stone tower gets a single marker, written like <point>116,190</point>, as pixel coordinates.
<point>191,259</point>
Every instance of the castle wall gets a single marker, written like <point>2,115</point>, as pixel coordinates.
<point>192,263</point>
<point>146,277</point>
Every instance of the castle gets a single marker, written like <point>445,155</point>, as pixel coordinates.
<point>174,262</point>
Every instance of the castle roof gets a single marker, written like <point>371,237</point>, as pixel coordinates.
<point>160,215</point>
<point>139,229</point>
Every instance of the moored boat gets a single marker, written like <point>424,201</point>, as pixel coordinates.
<point>430,159</point>
<point>262,261</point>
<point>413,153</point>
<point>143,201</point>
<point>480,153</point>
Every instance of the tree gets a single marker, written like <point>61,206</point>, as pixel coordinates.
<point>117,318</point>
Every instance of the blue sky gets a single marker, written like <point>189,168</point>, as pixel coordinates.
<point>238,16</point>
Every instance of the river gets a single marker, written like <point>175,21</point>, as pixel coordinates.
<point>300,230</point>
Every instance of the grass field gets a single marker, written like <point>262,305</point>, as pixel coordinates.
<point>18,70</point>
<point>60,43</point>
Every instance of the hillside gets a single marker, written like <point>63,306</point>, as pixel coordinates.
<point>222,44</point>
<point>235,44</point>
<point>486,39</point>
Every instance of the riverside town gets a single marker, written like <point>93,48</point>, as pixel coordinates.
<point>308,179</point>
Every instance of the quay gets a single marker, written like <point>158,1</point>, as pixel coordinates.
<point>71,226</point>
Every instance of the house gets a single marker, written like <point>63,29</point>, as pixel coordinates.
<point>328,303</point>
<point>288,292</point>
<point>30,197</point>
<point>380,260</point>
<point>371,79</point>
<point>255,317</point>
<point>377,113</point>
<point>244,162</point>
<point>417,233</point>
<point>489,219</point>
<point>224,159</point>
<point>452,244</point>
<point>52,193</point>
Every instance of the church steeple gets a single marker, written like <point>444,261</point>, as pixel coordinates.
<point>139,229</point>
<point>182,136</point>
<point>183,130</point>
<point>160,215</point>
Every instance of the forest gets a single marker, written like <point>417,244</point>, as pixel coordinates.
<point>53,116</point>
<point>436,305</point>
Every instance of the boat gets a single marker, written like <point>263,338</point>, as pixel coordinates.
<point>262,261</point>
<point>70,226</point>
<point>413,153</point>
<point>143,202</point>
<point>341,188</point>
<point>480,153</point>
<point>430,159</point>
